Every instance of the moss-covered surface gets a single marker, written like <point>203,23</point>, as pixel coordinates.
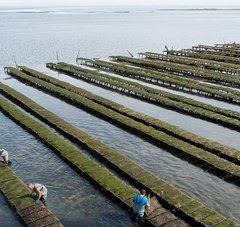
<point>168,80</point>
<point>202,213</point>
<point>213,219</point>
<point>96,173</point>
<point>183,70</point>
<point>18,196</point>
<point>222,51</point>
<point>223,151</point>
<point>208,56</point>
<point>226,223</point>
<point>222,67</point>
<point>227,118</point>
<point>164,190</point>
<point>162,139</point>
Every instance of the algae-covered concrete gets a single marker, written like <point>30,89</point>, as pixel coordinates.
<point>223,151</point>
<point>96,173</point>
<point>19,198</point>
<point>162,189</point>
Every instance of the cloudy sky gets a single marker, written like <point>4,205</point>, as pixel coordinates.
<point>30,3</point>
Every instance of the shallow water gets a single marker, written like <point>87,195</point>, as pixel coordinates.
<point>33,39</point>
<point>7,216</point>
<point>219,195</point>
<point>221,104</point>
<point>72,198</point>
<point>201,127</point>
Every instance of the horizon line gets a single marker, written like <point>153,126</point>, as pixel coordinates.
<point>165,7</point>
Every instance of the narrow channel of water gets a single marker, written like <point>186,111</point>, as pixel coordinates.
<point>7,216</point>
<point>216,193</point>
<point>210,101</point>
<point>200,127</point>
<point>73,199</point>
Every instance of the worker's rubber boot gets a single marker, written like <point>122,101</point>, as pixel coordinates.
<point>9,163</point>
<point>43,201</point>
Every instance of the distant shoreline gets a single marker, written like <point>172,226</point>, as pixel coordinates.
<point>199,9</point>
<point>108,10</point>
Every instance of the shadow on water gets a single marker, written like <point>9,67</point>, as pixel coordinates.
<point>216,193</point>
<point>73,199</point>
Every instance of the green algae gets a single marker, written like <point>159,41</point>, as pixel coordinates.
<point>202,213</point>
<point>164,190</point>
<point>208,64</point>
<point>183,70</point>
<point>170,81</point>
<point>227,223</point>
<point>96,172</point>
<point>196,140</point>
<point>166,99</point>
<point>191,207</point>
<point>212,220</point>
<point>17,194</point>
<point>151,133</point>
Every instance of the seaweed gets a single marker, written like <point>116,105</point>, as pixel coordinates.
<point>223,151</point>
<point>100,176</point>
<point>174,145</point>
<point>222,67</point>
<point>164,190</point>
<point>183,71</point>
<point>19,198</point>
<point>221,116</point>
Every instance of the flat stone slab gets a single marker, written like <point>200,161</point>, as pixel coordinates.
<point>36,215</point>
<point>29,210</point>
<point>159,216</point>
<point>47,221</point>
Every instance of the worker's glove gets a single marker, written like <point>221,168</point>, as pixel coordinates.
<point>37,202</point>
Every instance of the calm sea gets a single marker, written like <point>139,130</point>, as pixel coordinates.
<point>33,36</point>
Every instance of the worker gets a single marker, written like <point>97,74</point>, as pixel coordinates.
<point>140,203</point>
<point>4,156</point>
<point>39,191</point>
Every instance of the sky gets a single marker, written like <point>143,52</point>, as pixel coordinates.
<point>30,3</point>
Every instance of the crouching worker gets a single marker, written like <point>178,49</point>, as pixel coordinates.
<point>140,203</point>
<point>4,157</point>
<point>39,191</point>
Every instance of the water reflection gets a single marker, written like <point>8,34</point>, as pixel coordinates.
<point>219,195</point>
<point>7,216</point>
<point>71,197</point>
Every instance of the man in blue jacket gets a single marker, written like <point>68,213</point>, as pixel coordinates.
<point>140,203</point>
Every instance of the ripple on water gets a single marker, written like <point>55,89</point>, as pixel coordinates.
<point>93,33</point>
<point>200,127</point>
<point>7,216</point>
<point>71,197</point>
<point>193,180</point>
